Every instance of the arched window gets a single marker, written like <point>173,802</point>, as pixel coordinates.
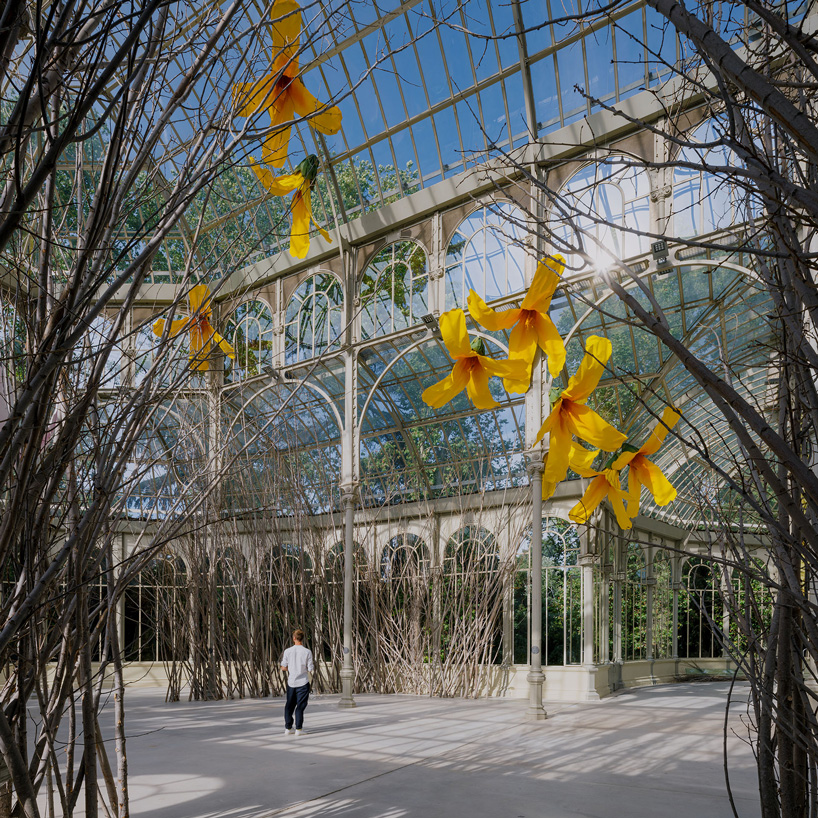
<point>635,605</point>
<point>155,611</point>
<point>486,254</point>
<point>662,606</point>
<point>405,557</point>
<point>703,202</point>
<point>561,598</point>
<point>700,611</point>
<point>250,330</point>
<point>471,597</point>
<point>314,318</point>
<point>394,289</point>
<point>601,198</point>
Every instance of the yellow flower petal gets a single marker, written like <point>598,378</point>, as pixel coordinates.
<point>597,352</point>
<point>199,297</point>
<point>489,318</point>
<point>308,198</point>
<point>617,502</point>
<point>581,459</point>
<point>594,495</point>
<point>275,147</point>
<point>455,336</point>
<point>523,340</point>
<point>544,284</point>
<point>198,354</point>
<point>277,185</point>
<point>559,450</point>
<point>224,345</point>
<point>657,484</point>
<point>251,97</point>
<point>670,417</point>
<point>453,384</point>
<point>587,425</point>
<point>551,343</point>
<point>300,230</point>
<point>622,460</point>
<point>478,388</point>
<point>634,492</point>
<point>513,368</point>
<point>286,16</point>
<point>175,326</point>
<point>324,119</point>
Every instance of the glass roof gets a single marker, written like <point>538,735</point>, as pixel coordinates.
<point>427,89</point>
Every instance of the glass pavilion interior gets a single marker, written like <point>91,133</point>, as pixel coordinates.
<point>426,192</point>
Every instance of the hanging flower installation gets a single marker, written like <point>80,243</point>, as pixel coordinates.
<point>302,182</point>
<point>281,92</point>
<point>604,484</point>
<point>202,334</point>
<point>643,472</point>
<point>532,325</point>
<point>570,416</point>
<point>472,367</point>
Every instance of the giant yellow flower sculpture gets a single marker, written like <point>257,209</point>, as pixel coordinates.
<point>570,416</point>
<point>202,334</point>
<point>281,92</point>
<point>532,325</point>
<point>604,484</point>
<point>302,182</point>
<point>643,472</point>
<point>472,368</point>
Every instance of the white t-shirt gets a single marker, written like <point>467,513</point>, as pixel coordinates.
<point>297,660</point>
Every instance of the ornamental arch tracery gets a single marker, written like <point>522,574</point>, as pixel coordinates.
<point>314,318</point>
<point>394,289</point>
<point>486,253</point>
<point>250,329</point>
<point>610,201</point>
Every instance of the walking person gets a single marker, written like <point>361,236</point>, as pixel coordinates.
<point>297,661</point>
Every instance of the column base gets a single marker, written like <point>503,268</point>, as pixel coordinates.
<point>591,693</point>
<point>536,711</point>
<point>347,676</point>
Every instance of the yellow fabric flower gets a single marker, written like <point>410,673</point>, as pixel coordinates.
<point>471,370</point>
<point>643,472</point>
<point>202,334</point>
<point>302,182</point>
<point>532,325</point>
<point>570,416</point>
<point>604,484</point>
<point>281,92</point>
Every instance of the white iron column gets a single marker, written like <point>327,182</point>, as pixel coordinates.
<point>535,678</point>
<point>586,562</point>
<point>347,671</point>
<point>604,618</point>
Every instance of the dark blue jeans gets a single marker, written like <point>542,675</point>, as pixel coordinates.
<point>297,698</point>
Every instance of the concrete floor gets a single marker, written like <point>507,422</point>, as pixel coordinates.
<point>653,752</point>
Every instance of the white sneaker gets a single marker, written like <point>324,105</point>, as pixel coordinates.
<point>299,732</point>
<point>288,732</point>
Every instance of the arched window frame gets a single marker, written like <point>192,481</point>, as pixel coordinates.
<point>561,599</point>
<point>254,349</point>
<point>588,190</point>
<point>414,559</point>
<point>498,227</point>
<point>384,316</point>
<point>701,202</point>
<point>304,314</point>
